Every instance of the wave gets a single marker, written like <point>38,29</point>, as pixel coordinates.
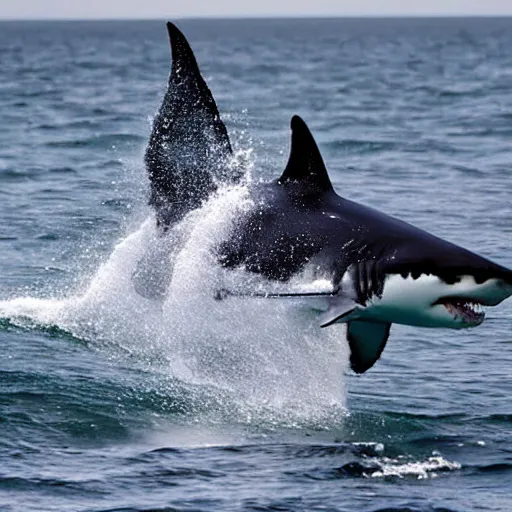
<point>386,468</point>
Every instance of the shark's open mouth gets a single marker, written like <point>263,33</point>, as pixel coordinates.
<point>467,310</point>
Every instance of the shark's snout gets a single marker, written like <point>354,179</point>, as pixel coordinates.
<point>489,293</point>
<point>465,305</point>
<point>504,291</point>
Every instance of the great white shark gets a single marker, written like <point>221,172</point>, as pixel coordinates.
<point>380,269</point>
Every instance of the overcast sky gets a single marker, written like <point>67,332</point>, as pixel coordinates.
<point>29,9</point>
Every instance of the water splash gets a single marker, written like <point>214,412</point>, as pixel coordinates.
<point>261,359</point>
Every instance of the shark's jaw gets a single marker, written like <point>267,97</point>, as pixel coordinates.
<point>466,312</point>
<point>428,301</point>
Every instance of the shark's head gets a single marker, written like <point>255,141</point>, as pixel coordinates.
<point>428,301</point>
<point>432,283</point>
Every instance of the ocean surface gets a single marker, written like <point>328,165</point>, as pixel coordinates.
<point>111,402</point>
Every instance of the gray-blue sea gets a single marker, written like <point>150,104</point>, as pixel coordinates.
<point>112,402</point>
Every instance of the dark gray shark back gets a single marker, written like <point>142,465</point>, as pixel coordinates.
<point>300,217</point>
<point>189,150</point>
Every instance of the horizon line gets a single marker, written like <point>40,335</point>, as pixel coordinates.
<point>237,17</point>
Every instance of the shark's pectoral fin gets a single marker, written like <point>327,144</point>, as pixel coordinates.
<point>337,312</point>
<point>367,341</point>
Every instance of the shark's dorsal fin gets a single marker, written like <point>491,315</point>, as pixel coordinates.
<point>189,149</point>
<point>305,173</point>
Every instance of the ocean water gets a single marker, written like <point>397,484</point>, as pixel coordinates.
<point>111,402</point>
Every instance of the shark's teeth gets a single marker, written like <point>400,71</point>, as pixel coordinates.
<point>468,311</point>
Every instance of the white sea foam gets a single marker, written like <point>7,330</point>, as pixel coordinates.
<point>419,469</point>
